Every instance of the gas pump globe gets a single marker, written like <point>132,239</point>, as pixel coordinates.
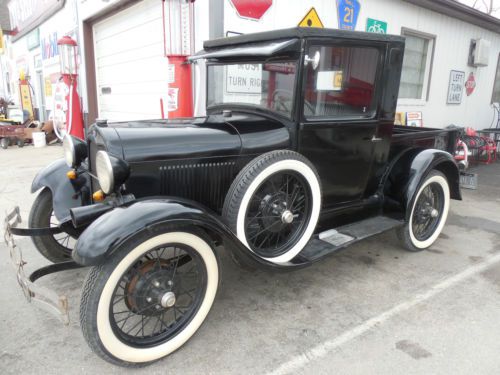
<point>67,55</point>
<point>67,115</point>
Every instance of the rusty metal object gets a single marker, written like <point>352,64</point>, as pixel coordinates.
<point>43,297</point>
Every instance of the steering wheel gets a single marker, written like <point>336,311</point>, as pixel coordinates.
<point>281,102</point>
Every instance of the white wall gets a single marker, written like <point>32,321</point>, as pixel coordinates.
<point>451,50</point>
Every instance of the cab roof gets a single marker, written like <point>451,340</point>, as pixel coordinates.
<point>297,33</point>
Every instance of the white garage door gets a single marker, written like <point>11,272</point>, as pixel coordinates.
<point>131,70</point>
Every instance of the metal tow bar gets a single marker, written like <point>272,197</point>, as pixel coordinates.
<point>44,298</point>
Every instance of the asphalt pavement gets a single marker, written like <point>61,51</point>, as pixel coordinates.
<point>370,309</point>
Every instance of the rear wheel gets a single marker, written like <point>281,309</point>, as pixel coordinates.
<point>149,297</point>
<point>428,214</point>
<point>58,247</point>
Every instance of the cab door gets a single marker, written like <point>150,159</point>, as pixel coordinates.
<point>339,123</point>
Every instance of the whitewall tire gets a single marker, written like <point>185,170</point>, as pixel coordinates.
<point>146,277</point>
<point>277,195</point>
<point>428,213</point>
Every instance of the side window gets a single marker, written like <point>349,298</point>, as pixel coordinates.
<point>343,83</point>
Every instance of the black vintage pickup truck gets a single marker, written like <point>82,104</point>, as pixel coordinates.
<point>296,158</point>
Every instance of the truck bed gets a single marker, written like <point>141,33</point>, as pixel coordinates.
<point>441,139</point>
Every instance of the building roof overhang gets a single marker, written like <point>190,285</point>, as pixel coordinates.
<point>460,11</point>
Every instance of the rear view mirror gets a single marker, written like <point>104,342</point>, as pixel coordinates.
<point>313,60</point>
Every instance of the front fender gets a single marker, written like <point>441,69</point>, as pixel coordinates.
<point>65,193</point>
<point>422,164</point>
<point>107,233</point>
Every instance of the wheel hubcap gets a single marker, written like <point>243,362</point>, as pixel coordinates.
<point>168,299</point>
<point>287,217</point>
<point>434,213</point>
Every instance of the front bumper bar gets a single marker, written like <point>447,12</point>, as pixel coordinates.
<point>43,297</point>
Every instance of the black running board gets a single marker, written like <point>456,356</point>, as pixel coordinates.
<point>332,240</point>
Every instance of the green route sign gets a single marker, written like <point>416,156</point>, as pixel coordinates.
<point>376,26</point>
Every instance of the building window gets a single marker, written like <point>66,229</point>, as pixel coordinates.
<point>417,63</point>
<point>496,86</point>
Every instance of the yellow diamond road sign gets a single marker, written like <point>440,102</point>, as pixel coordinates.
<point>311,19</point>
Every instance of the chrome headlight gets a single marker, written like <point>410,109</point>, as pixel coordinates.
<point>110,171</point>
<point>75,151</point>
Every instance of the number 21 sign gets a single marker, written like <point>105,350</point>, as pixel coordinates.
<point>348,14</point>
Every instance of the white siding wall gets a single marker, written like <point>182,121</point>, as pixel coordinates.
<point>451,50</point>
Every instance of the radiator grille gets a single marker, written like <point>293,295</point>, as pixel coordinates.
<point>206,183</point>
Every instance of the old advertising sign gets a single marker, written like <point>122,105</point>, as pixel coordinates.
<point>311,19</point>
<point>455,87</point>
<point>348,14</point>
<point>470,85</point>
<point>414,119</point>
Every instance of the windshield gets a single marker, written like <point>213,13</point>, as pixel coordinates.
<point>269,86</point>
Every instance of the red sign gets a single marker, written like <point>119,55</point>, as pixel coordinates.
<point>253,9</point>
<point>470,84</point>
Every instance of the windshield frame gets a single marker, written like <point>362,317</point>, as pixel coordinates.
<point>253,107</point>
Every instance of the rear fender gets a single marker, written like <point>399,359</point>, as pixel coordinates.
<point>66,193</point>
<point>107,233</point>
<point>420,164</point>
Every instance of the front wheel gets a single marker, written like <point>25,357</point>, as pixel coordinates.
<point>149,297</point>
<point>428,213</point>
<point>58,247</point>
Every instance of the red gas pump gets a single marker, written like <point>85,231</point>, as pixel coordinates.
<point>69,73</point>
<point>179,44</point>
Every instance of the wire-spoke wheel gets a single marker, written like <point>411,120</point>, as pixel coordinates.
<point>428,214</point>
<point>278,213</point>
<point>58,247</point>
<point>273,205</point>
<point>149,297</point>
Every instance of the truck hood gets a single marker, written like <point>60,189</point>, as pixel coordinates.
<point>189,138</point>
<point>172,139</point>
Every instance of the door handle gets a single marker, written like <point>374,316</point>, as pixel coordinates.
<point>376,139</point>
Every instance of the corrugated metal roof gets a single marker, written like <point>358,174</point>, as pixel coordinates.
<point>460,11</point>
